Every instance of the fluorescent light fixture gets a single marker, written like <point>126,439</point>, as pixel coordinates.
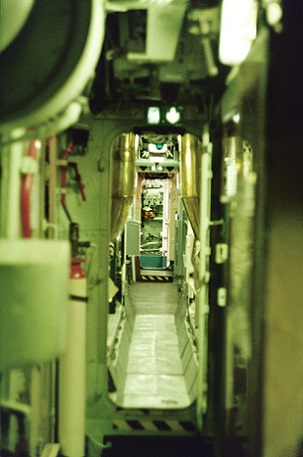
<point>238,30</point>
<point>153,115</point>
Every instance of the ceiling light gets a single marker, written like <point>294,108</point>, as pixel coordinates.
<point>173,115</point>
<point>153,115</point>
<point>238,30</point>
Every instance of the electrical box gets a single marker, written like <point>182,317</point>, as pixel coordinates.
<point>34,276</point>
<point>132,233</point>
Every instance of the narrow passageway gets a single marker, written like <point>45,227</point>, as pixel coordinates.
<point>159,366</point>
<point>154,297</point>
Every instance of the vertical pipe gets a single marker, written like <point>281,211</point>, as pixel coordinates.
<point>13,189</point>
<point>52,232</point>
<point>52,144</point>
<point>35,398</point>
<point>72,372</point>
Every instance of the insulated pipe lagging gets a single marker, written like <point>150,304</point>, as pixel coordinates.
<point>191,179</point>
<point>123,169</point>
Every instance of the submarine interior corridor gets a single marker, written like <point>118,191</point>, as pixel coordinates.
<point>155,366</point>
<point>151,228</point>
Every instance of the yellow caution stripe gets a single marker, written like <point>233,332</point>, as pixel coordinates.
<point>121,425</point>
<point>156,278</point>
<point>154,425</point>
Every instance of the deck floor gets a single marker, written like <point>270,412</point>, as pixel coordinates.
<point>154,372</point>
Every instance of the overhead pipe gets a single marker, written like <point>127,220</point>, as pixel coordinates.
<point>123,180</point>
<point>191,152</point>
